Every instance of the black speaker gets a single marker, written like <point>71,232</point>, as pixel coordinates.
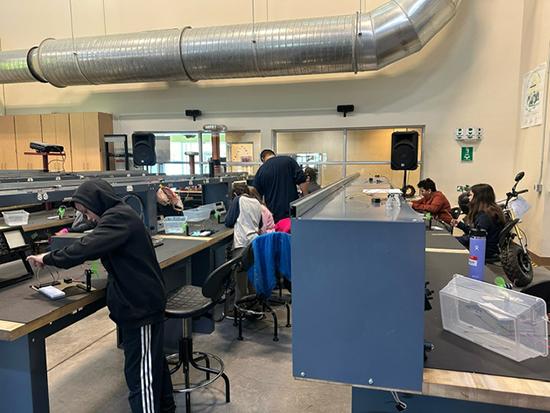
<point>143,148</point>
<point>404,151</point>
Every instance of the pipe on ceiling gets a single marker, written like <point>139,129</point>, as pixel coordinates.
<point>351,43</point>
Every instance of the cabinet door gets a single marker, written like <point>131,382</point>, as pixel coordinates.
<point>28,128</point>
<point>8,154</point>
<point>63,138</point>
<point>55,129</point>
<point>78,141</point>
<point>105,128</point>
<point>96,125</point>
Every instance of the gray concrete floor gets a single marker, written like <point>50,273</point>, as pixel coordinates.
<point>86,372</point>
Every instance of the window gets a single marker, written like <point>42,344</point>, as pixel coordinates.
<point>342,152</point>
<point>171,149</point>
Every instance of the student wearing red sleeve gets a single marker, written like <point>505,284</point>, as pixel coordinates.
<point>433,201</point>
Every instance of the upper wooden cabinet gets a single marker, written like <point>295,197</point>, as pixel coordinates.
<point>87,130</point>
<point>8,157</point>
<point>80,134</point>
<point>56,129</point>
<point>28,128</point>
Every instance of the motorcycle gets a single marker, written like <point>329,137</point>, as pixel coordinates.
<point>512,242</point>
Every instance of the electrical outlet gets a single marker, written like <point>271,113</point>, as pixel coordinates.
<point>538,188</point>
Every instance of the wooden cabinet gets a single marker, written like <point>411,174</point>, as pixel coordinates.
<point>8,157</point>
<point>56,129</point>
<point>87,130</point>
<point>28,128</point>
<point>80,134</point>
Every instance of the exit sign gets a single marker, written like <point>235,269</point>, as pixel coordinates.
<point>467,154</point>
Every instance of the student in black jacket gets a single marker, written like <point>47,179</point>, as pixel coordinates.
<point>135,291</point>
<point>484,213</point>
<point>276,181</point>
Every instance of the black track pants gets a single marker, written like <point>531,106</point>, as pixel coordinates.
<point>146,370</point>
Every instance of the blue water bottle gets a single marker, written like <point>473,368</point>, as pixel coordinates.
<point>476,260</point>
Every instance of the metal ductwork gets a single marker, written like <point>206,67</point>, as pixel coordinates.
<point>352,43</point>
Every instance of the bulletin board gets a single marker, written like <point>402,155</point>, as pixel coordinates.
<point>241,152</point>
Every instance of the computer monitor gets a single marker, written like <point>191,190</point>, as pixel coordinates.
<point>14,239</point>
<point>216,192</point>
<point>13,253</point>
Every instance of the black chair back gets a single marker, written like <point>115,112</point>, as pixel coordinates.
<point>217,280</point>
<point>247,257</point>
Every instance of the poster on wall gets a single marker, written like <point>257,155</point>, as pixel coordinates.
<point>533,96</point>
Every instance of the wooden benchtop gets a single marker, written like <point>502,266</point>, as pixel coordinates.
<point>484,388</point>
<point>176,248</point>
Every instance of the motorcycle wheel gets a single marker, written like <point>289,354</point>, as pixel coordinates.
<point>516,265</point>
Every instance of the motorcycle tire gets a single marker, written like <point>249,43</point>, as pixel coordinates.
<point>516,265</point>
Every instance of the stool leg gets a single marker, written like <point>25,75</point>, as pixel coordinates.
<point>186,358</point>
<point>235,315</point>
<point>275,323</point>
<point>206,361</point>
<point>227,388</point>
<point>240,336</point>
<point>287,315</point>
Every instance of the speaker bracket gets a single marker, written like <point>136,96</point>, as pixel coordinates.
<point>345,109</point>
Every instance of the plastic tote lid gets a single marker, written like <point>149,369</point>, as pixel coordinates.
<point>478,232</point>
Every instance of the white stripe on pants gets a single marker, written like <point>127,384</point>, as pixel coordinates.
<point>147,402</point>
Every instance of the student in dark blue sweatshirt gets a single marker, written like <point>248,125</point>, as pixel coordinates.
<point>135,291</point>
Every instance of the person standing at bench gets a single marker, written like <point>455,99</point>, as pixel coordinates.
<point>276,181</point>
<point>135,291</point>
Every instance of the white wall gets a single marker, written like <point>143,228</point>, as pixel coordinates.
<point>467,76</point>
<point>530,150</point>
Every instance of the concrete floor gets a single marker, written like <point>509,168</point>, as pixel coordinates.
<point>86,373</point>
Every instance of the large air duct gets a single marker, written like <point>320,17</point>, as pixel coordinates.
<point>352,43</point>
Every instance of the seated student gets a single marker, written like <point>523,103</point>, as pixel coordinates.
<point>311,179</point>
<point>268,224</point>
<point>433,201</point>
<point>245,217</point>
<point>485,214</point>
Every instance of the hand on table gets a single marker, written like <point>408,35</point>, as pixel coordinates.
<point>37,260</point>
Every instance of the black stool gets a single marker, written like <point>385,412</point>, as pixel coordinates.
<point>255,305</point>
<point>190,302</point>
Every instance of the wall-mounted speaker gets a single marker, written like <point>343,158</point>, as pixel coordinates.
<point>404,151</point>
<point>143,148</point>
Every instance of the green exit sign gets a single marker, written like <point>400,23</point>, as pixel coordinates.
<point>467,154</point>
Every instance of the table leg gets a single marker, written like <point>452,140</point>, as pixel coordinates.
<point>376,401</point>
<point>23,375</point>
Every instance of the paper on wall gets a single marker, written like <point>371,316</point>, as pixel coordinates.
<point>532,97</point>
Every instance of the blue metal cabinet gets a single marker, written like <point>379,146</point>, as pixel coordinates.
<point>358,292</point>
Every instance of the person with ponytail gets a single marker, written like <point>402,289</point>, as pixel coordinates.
<point>484,213</point>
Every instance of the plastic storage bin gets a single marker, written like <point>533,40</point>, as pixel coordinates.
<point>507,322</point>
<point>197,214</point>
<point>175,225</point>
<point>15,218</point>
